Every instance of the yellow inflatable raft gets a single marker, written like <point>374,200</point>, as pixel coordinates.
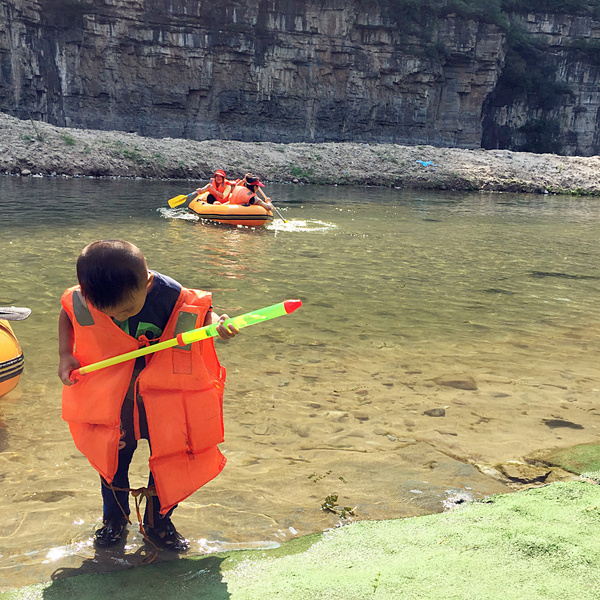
<point>11,358</point>
<point>230,214</point>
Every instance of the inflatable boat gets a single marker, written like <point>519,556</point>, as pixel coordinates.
<point>230,214</point>
<point>11,358</point>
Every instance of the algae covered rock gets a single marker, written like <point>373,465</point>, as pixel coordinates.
<point>580,459</point>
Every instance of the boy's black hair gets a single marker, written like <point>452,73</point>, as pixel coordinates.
<point>109,271</point>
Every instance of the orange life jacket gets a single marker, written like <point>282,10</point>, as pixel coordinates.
<point>182,391</point>
<point>218,191</point>
<point>240,194</point>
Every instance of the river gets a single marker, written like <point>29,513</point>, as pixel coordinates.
<point>440,335</point>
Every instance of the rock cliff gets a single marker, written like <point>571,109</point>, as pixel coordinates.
<point>283,71</point>
<point>548,96</point>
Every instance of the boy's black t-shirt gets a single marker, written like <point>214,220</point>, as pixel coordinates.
<point>160,302</point>
<point>151,322</point>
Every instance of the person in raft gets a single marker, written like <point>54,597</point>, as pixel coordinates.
<point>172,398</point>
<point>217,188</point>
<point>244,192</point>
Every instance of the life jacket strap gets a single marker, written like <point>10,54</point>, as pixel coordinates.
<point>81,310</point>
<point>139,494</point>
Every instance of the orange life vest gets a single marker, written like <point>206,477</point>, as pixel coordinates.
<point>182,391</point>
<point>218,191</point>
<point>240,194</point>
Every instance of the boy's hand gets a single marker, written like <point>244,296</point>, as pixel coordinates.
<point>67,364</point>
<point>226,333</point>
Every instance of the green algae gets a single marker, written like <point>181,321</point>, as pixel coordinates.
<point>531,545</point>
<point>583,458</point>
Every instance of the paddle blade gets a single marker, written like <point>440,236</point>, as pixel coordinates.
<point>14,313</point>
<point>173,202</point>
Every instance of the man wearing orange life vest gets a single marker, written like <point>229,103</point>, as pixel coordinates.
<point>245,190</point>
<point>172,398</point>
<point>217,188</point>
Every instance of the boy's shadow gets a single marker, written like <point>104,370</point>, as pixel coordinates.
<point>145,572</point>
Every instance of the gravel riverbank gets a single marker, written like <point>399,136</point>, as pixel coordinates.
<point>31,148</point>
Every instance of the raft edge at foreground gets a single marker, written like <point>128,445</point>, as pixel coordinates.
<point>11,358</point>
<point>527,545</point>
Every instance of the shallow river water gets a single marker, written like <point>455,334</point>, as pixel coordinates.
<point>441,334</point>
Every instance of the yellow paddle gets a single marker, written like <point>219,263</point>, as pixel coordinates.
<point>181,199</point>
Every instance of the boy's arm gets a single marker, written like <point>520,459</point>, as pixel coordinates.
<point>225,333</point>
<point>67,362</point>
<point>265,205</point>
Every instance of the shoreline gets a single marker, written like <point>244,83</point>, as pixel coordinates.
<point>522,546</point>
<point>30,148</point>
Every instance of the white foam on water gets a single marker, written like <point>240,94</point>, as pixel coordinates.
<point>76,548</point>
<point>180,214</point>
<point>309,225</point>
<point>211,546</point>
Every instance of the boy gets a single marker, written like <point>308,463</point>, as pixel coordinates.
<point>172,398</point>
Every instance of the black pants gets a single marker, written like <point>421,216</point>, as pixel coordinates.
<point>115,503</point>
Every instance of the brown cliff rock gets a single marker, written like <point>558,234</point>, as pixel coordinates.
<point>304,71</point>
<point>252,71</point>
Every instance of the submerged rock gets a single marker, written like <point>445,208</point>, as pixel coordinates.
<point>435,412</point>
<point>557,423</point>
<point>460,382</point>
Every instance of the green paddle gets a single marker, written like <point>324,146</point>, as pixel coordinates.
<point>195,335</point>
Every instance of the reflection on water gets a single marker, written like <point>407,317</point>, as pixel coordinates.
<point>440,334</point>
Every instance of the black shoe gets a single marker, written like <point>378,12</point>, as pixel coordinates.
<point>110,533</point>
<point>167,538</point>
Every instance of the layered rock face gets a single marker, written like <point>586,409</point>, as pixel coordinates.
<point>263,70</point>
<point>551,101</point>
<point>257,70</point>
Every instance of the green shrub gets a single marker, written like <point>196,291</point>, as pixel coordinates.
<point>542,135</point>
<point>569,7</point>
<point>301,172</point>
